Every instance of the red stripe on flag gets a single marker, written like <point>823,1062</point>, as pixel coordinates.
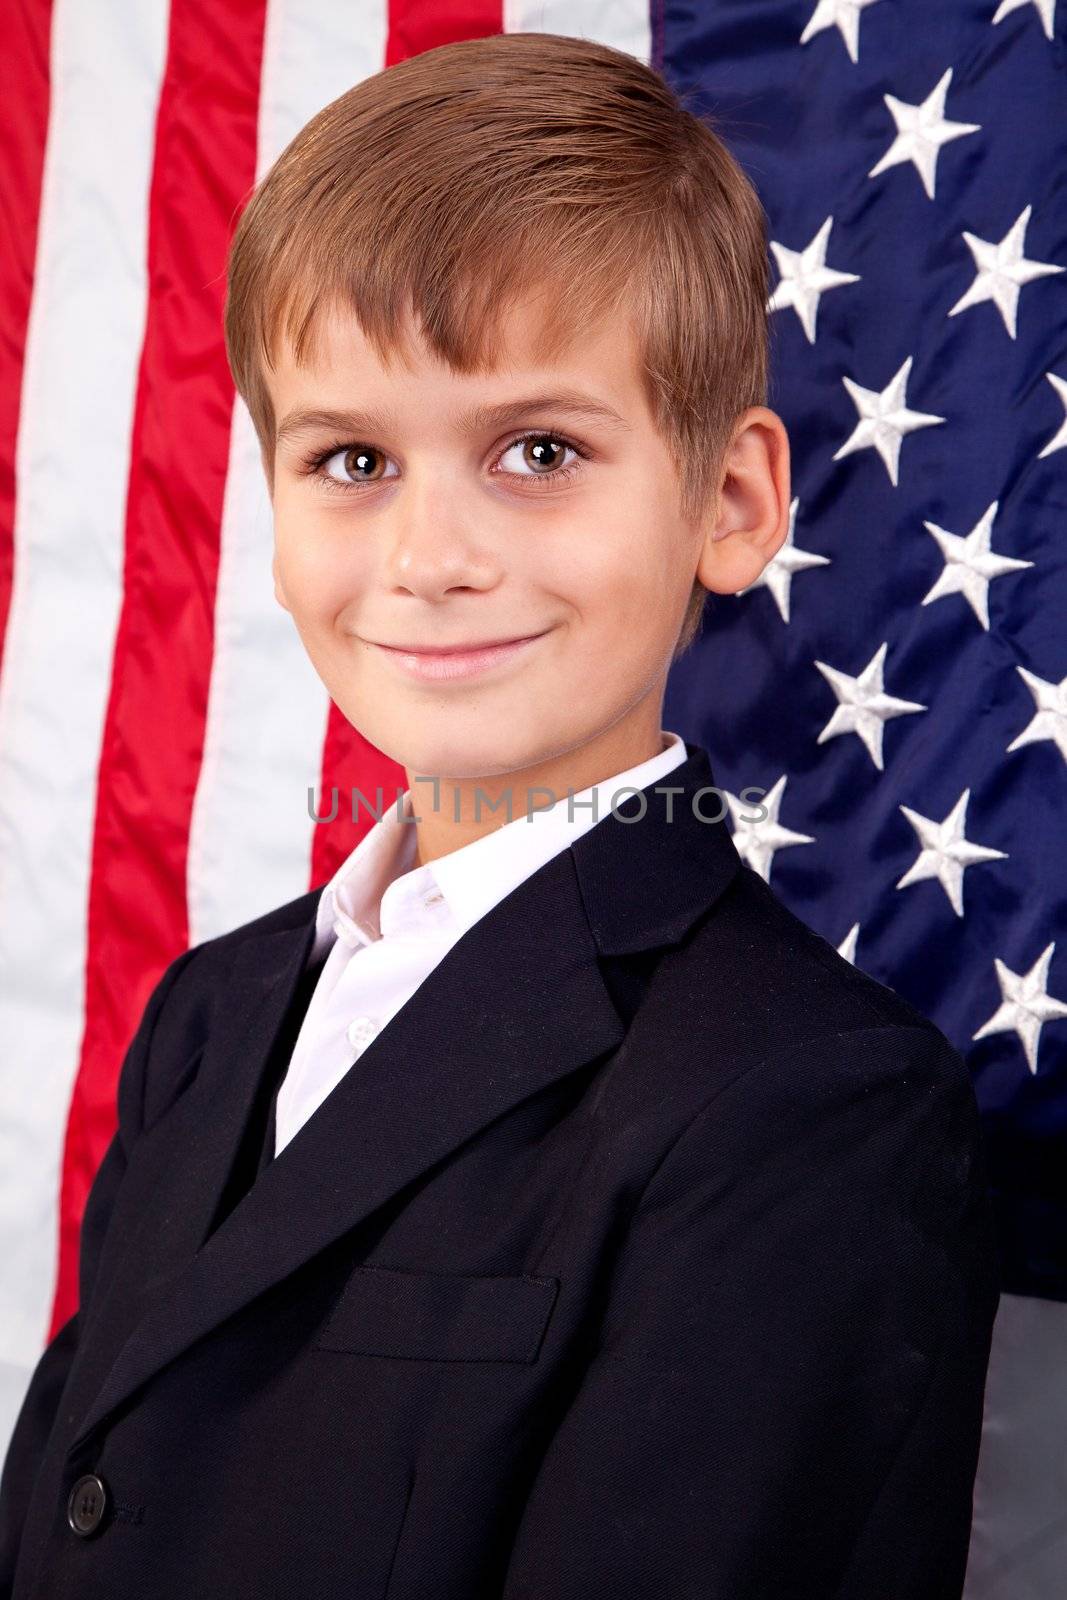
<point>25,33</point>
<point>348,761</point>
<point>418,25</point>
<point>204,168</point>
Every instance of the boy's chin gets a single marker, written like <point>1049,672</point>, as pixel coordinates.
<point>468,750</point>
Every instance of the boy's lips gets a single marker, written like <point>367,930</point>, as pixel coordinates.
<point>438,663</point>
<point>466,648</point>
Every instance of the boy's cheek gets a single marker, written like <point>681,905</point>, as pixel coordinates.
<point>315,581</point>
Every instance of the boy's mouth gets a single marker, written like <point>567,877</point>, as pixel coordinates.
<point>439,663</point>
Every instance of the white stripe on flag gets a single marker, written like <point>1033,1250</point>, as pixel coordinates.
<point>623,24</point>
<point>79,383</point>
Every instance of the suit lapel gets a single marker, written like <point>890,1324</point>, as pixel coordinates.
<point>518,1002</point>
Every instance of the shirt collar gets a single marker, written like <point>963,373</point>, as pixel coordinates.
<point>377,890</point>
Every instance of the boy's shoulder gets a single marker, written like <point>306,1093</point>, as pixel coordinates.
<point>199,979</point>
<point>295,913</point>
<point>773,952</point>
<point>220,948</point>
<point>769,994</point>
<point>208,961</point>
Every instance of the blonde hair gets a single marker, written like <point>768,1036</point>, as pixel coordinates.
<point>447,186</point>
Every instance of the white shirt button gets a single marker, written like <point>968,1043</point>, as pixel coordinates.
<point>433,899</point>
<point>361,1031</point>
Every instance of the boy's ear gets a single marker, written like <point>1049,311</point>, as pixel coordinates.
<point>750,520</point>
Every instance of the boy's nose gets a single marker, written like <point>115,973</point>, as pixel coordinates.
<point>433,550</point>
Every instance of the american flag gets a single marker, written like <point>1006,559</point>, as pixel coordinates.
<point>895,682</point>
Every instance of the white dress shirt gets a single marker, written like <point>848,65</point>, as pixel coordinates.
<point>387,924</point>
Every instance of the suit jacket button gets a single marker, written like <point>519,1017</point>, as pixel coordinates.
<point>86,1504</point>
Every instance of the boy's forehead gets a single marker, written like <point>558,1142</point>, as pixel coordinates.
<point>342,364</point>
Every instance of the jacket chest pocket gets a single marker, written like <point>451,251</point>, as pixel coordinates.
<point>434,1316</point>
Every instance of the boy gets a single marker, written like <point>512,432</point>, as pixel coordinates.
<point>538,1209</point>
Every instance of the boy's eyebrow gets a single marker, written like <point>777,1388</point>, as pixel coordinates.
<point>477,420</point>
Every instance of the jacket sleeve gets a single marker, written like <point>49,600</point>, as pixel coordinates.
<point>786,1399</point>
<point>43,1397</point>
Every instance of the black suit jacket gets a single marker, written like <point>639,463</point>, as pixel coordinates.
<point>645,1253</point>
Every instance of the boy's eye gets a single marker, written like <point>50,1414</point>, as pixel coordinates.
<point>535,457</point>
<point>356,464</point>
<point>538,453</point>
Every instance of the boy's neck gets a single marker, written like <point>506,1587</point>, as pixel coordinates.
<point>455,812</point>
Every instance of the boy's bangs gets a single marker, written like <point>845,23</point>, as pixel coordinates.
<point>458,312</point>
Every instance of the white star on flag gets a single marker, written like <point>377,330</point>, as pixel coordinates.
<point>1044,8</point>
<point>863,706</point>
<point>777,575</point>
<point>1002,271</point>
<point>841,14</point>
<point>921,132</point>
<point>970,564</point>
<point>1025,1006</point>
<point>884,420</point>
<point>946,851</point>
<point>757,840</point>
<point>1050,719</point>
<point>1059,439</point>
<point>804,277</point>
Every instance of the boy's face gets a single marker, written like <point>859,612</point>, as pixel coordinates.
<point>430,528</point>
